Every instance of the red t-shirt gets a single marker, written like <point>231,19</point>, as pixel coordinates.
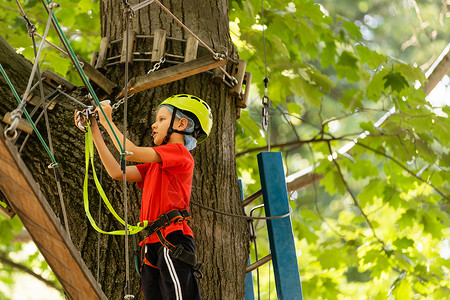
<point>166,186</point>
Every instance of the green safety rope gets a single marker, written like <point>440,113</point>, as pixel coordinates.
<point>89,148</point>
<point>55,164</point>
<point>84,78</point>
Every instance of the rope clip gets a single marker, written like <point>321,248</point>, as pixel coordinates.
<point>234,81</point>
<point>126,153</point>
<point>53,5</point>
<point>53,165</point>
<point>265,112</point>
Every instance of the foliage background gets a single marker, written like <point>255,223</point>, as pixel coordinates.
<point>376,225</point>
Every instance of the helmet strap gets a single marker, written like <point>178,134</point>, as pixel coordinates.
<point>170,130</point>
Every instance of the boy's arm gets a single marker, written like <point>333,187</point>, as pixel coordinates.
<point>139,154</point>
<point>108,160</point>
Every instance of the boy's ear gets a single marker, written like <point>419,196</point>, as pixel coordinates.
<point>182,124</point>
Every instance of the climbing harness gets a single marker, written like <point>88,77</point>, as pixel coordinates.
<point>178,252</point>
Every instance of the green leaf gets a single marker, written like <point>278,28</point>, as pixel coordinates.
<point>407,219</point>
<point>395,81</point>
<point>333,183</point>
<point>293,108</point>
<point>322,81</point>
<point>330,258</point>
<point>403,243</point>
<point>403,290</point>
<point>364,169</point>
<point>375,87</point>
<point>352,29</point>
<point>432,225</point>
<point>370,191</point>
<point>302,89</point>
<point>371,58</point>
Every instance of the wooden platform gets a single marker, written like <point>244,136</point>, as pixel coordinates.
<point>24,196</point>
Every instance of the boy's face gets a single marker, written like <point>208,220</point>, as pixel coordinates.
<point>161,125</point>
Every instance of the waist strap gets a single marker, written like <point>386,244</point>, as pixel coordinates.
<point>174,216</point>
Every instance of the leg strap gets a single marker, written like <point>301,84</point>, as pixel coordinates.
<point>178,252</point>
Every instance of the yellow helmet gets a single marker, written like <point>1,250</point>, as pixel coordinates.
<point>197,107</point>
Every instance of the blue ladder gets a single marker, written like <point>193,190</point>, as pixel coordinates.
<point>281,237</point>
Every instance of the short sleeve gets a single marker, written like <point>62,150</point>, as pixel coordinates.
<point>174,155</point>
<point>143,170</point>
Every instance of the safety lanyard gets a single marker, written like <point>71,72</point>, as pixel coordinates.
<point>89,153</point>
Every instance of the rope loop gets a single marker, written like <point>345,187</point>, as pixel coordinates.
<point>10,133</point>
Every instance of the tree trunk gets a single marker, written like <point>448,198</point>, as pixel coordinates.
<point>222,242</point>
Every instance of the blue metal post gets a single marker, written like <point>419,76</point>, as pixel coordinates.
<point>281,237</point>
<point>249,290</point>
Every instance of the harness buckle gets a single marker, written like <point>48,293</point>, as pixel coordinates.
<point>197,271</point>
<point>166,219</point>
<point>177,252</point>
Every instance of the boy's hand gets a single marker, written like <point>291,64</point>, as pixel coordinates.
<point>80,119</point>
<point>106,106</point>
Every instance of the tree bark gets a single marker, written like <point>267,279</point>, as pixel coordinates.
<point>222,241</point>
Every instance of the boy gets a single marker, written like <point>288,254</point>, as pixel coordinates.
<point>168,263</point>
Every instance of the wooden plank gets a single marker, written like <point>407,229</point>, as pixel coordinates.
<point>36,100</point>
<point>164,76</point>
<point>123,54</point>
<point>281,237</point>
<point>25,197</point>
<point>102,53</point>
<point>55,81</point>
<point>159,44</point>
<point>191,48</point>
<point>97,77</point>
<point>23,125</point>
<point>94,58</point>
<point>238,72</point>
<point>441,69</point>
<point>242,99</point>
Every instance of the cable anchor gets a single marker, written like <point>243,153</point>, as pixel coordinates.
<point>219,56</point>
<point>128,10</point>
<point>10,132</point>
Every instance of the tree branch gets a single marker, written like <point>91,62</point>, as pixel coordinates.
<point>403,167</point>
<point>295,143</point>
<point>355,202</point>
<point>6,261</point>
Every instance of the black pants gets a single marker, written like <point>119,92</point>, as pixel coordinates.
<point>167,278</point>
